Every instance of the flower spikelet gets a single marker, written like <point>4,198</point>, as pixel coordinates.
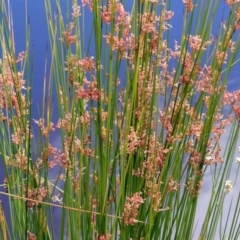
<point>131,208</point>
<point>189,5</point>
<point>228,186</point>
<point>76,11</point>
<point>133,141</point>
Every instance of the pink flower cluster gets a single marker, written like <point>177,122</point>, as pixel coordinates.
<point>131,208</point>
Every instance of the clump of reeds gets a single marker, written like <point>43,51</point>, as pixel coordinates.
<point>140,123</point>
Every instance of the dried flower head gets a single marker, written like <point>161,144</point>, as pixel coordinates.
<point>31,236</point>
<point>228,186</point>
<point>237,160</point>
<point>231,2</point>
<point>76,11</point>
<point>189,5</point>
<point>131,208</point>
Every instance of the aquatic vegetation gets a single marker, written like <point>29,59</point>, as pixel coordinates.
<point>142,119</point>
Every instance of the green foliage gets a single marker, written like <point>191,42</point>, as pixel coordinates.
<point>140,124</point>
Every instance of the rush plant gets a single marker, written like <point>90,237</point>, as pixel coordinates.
<point>145,123</point>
